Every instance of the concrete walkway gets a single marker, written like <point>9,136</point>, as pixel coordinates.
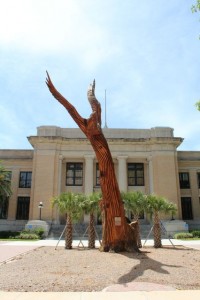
<point>9,250</point>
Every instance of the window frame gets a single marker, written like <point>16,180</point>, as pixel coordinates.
<point>74,178</point>
<point>136,167</point>
<point>186,208</point>
<point>184,183</point>
<point>198,179</point>
<point>23,208</point>
<point>25,183</point>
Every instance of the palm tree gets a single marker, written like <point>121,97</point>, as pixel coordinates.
<point>68,203</point>
<point>134,203</point>
<point>156,205</point>
<point>91,206</point>
<point>5,183</point>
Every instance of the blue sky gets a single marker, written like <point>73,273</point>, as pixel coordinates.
<point>146,54</point>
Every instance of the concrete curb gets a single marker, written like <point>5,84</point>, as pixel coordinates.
<point>141,295</point>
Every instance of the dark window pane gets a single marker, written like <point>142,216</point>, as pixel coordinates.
<point>69,181</point>
<point>25,179</point>
<point>78,181</point>
<point>131,173</point>
<point>136,174</point>
<point>140,181</point>
<point>74,174</point>
<point>23,204</point>
<point>70,173</point>
<point>186,205</point>
<point>131,181</point>
<point>198,179</point>
<point>140,173</point>
<point>184,180</point>
<point>78,173</point>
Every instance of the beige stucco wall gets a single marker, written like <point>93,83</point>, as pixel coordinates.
<point>165,176</point>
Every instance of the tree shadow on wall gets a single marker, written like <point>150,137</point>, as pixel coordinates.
<point>145,263</point>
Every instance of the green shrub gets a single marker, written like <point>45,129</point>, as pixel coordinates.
<point>196,233</point>
<point>39,231</point>
<point>27,236</point>
<point>183,235</point>
<point>8,234</point>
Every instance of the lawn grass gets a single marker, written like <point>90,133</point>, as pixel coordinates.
<point>189,239</point>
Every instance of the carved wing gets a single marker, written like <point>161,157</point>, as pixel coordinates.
<point>70,108</point>
<point>53,90</point>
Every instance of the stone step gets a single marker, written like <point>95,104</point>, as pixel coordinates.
<point>81,231</point>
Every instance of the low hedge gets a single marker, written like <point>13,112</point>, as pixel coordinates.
<point>183,235</point>
<point>196,233</point>
<point>8,234</point>
<point>39,231</point>
<point>27,236</point>
<point>35,234</point>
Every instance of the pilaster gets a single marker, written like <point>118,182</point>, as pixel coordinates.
<point>122,173</point>
<point>12,209</point>
<point>88,184</point>
<point>151,185</point>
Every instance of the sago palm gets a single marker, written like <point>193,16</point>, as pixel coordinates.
<point>91,206</point>
<point>68,203</point>
<point>134,203</point>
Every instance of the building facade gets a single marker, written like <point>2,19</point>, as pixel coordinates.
<point>62,159</point>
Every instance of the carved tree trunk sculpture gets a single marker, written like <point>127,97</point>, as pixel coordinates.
<point>117,234</point>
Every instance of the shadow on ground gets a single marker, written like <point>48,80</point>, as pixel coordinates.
<point>145,263</point>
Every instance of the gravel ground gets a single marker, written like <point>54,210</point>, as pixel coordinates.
<point>83,270</point>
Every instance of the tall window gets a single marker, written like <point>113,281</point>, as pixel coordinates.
<point>186,205</point>
<point>135,174</point>
<point>74,174</point>
<point>25,179</point>
<point>23,204</point>
<point>198,180</point>
<point>3,207</point>
<point>97,175</point>
<point>184,180</point>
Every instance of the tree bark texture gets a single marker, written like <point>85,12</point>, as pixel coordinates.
<point>92,234</point>
<point>157,231</point>
<point>69,232</point>
<point>137,230</point>
<point>117,234</point>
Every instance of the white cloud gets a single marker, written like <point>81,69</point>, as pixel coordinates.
<point>143,53</point>
<point>56,27</point>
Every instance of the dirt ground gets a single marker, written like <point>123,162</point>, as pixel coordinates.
<point>83,270</point>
